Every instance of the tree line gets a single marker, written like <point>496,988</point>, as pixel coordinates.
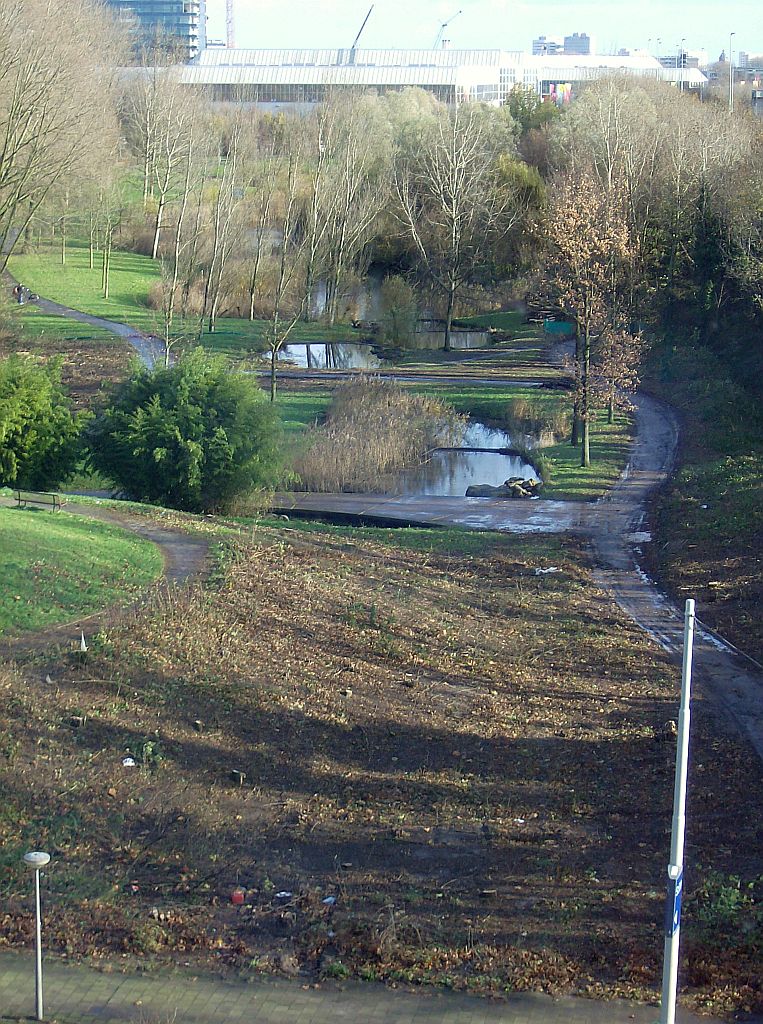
<point>636,210</point>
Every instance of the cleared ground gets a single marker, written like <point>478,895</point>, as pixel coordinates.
<point>469,759</point>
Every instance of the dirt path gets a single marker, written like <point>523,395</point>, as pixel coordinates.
<point>616,534</point>
<point>149,348</point>
<point>184,555</point>
<point>613,525</point>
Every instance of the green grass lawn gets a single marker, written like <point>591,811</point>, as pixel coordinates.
<point>34,325</point>
<point>299,408</point>
<point>132,278</point>
<point>485,402</point>
<point>503,320</point>
<point>58,566</point>
<point>568,481</point>
<point>77,286</point>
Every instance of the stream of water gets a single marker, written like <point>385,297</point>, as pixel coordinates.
<point>480,459</point>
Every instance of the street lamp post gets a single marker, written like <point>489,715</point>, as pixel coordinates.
<point>676,866</point>
<point>681,57</point>
<point>731,72</point>
<point>37,860</point>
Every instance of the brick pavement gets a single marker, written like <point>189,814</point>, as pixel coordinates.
<point>78,994</point>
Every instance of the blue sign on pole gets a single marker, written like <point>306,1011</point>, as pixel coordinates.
<point>673,905</point>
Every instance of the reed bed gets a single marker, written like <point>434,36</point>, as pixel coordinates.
<point>540,424</point>
<point>373,428</point>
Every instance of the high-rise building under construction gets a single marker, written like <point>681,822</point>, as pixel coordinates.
<point>179,26</point>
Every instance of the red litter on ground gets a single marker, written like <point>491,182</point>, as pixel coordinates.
<point>237,897</point>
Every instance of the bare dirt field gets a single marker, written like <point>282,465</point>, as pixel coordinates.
<point>87,362</point>
<point>419,757</point>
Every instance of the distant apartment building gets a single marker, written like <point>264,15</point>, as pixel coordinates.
<point>682,59</point>
<point>179,26</point>
<point>579,43</point>
<point>547,45</point>
<point>753,61</point>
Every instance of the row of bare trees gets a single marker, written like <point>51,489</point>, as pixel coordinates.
<point>250,212</point>
<point>635,202</point>
<point>58,62</point>
<point>653,221</point>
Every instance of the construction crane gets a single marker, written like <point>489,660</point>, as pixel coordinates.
<point>360,33</point>
<point>442,29</point>
<point>230,28</point>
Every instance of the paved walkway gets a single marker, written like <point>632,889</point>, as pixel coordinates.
<point>433,510</point>
<point>82,995</point>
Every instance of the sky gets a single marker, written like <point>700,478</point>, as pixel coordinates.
<point>486,24</point>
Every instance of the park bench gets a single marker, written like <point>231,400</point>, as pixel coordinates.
<point>24,498</point>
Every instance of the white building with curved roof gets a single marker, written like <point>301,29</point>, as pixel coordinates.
<point>277,78</point>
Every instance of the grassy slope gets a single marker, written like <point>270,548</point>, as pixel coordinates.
<point>132,278</point>
<point>709,520</point>
<point>58,566</point>
<point>468,755</point>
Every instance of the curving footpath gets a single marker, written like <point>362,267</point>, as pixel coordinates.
<point>612,525</point>
<point>149,348</point>
<point>184,556</point>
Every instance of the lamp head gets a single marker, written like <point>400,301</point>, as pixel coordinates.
<point>36,859</point>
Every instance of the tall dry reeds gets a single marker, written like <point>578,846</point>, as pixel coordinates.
<point>373,428</point>
<point>540,424</point>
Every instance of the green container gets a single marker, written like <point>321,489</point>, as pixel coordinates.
<point>560,328</point>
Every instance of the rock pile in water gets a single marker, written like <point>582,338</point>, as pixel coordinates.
<point>514,487</point>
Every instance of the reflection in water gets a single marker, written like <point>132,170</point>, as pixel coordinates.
<point>348,355</point>
<point>450,472</point>
<point>344,356</point>
<point>477,435</point>
<point>460,341</point>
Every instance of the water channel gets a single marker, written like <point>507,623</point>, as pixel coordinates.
<point>362,355</point>
<point>482,458</point>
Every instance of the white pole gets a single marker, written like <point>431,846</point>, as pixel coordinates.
<point>731,72</point>
<point>37,859</point>
<point>675,867</point>
<point>38,965</point>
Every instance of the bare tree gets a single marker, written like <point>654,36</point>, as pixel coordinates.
<point>179,265</point>
<point>56,94</point>
<point>448,199</point>
<point>317,146</point>
<point>358,143</point>
<point>259,200</point>
<point>291,253</point>
<point>617,361</point>
<point>225,231</point>
<point>159,114</point>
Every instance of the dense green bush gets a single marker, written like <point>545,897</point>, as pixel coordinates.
<point>195,436</point>
<point>39,435</point>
